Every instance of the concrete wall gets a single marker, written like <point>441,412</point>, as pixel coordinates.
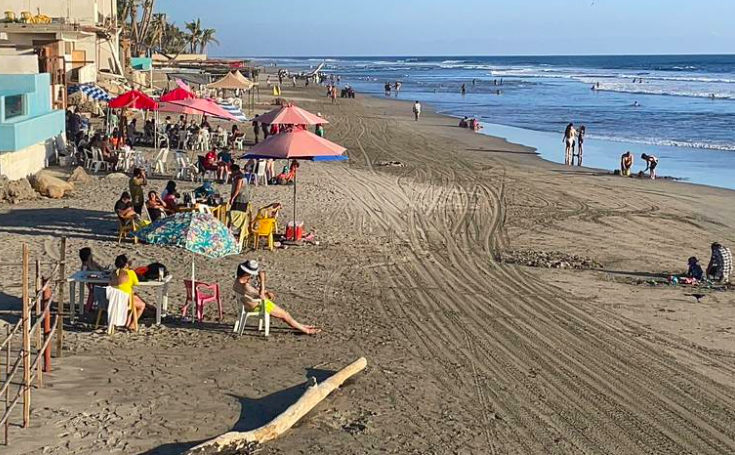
<point>39,122</point>
<point>86,12</point>
<point>18,64</point>
<point>26,162</point>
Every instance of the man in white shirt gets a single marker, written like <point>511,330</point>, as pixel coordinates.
<point>417,110</point>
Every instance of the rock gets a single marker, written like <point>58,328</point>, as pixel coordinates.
<point>117,176</point>
<point>16,190</point>
<point>548,260</point>
<point>48,185</point>
<point>79,175</point>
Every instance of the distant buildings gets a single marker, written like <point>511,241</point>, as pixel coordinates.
<point>72,41</point>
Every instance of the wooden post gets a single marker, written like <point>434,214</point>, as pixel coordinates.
<point>7,373</point>
<point>39,309</point>
<point>60,299</point>
<point>26,351</point>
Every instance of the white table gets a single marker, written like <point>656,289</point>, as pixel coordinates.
<point>83,278</point>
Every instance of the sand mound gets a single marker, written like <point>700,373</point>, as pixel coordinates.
<point>79,175</point>
<point>16,190</point>
<point>549,260</point>
<point>116,176</point>
<point>48,185</point>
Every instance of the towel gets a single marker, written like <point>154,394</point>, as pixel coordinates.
<point>117,308</point>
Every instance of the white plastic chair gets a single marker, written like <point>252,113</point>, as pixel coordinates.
<point>97,162</point>
<point>264,320</point>
<point>239,143</point>
<point>184,168</point>
<point>160,161</point>
<point>260,173</point>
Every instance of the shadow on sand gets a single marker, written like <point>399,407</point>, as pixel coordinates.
<point>254,413</point>
<point>75,223</point>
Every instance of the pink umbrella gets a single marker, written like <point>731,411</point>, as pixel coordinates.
<point>177,109</point>
<point>206,107</point>
<point>291,115</point>
<point>297,144</point>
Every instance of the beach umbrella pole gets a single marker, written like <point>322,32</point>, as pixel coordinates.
<point>193,291</point>
<point>294,207</point>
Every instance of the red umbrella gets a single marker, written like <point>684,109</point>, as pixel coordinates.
<point>177,94</point>
<point>207,107</point>
<point>176,109</point>
<point>291,115</point>
<point>134,99</point>
<point>297,144</point>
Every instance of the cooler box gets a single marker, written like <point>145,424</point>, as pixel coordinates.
<point>295,233</point>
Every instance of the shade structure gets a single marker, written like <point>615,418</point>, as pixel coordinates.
<point>183,85</point>
<point>134,99</point>
<point>234,111</point>
<point>177,94</point>
<point>206,107</point>
<point>176,109</point>
<point>192,78</point>
<point>234,80</point>
<point>297,144</point>
<point>291,115</point>
<point>91,91</point>
<point>198,233</point>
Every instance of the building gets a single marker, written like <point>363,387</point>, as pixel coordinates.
<point>72,40</point>
<point>29,125</point>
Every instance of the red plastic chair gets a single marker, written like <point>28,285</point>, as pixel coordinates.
<point>205,293</point>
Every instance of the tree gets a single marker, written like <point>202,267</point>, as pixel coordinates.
<point>207,38</point>
<point>195,34</point>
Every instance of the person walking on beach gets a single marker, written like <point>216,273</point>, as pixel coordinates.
<point>570,135</point>
<point>387,89</point>
<point>580,145</point>
<point>651,165</point>
<point>626,164</point>
<point>256,129</point>
<point>397,88</point>
<point>417,110</point>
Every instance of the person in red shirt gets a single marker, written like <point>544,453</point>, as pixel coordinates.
<point>210,161</point>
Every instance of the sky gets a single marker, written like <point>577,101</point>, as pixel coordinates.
<point>249,28</point>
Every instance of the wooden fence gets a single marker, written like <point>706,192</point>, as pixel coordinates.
<point>17,351</point>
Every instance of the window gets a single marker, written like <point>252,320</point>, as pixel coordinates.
<point>13,106</point>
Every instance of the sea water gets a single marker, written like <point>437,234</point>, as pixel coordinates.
<point>679,108</point>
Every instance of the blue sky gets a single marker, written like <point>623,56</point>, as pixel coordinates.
<point>461,27</point>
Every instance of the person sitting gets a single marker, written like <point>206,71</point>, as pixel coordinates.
<point>626,164</point>
<point>170,197</point>
<point>253,297</point>
<point>224,161</point>
<point>208,162</point>
<point>88,262</point>
<point>124,209</point>
<point>464,123</point>
<point>695,271</point>
<point>156,207</point>
<point>125,279</point>
<point>720,265</point>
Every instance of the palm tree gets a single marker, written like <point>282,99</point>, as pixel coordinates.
<point>157,31</point>
<point>207,38</point>
<point>195,34</point>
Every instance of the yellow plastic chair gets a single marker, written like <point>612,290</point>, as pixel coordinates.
<point>125,229</point>
<point>264,227</point>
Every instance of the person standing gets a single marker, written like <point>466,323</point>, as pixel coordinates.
<point>651,165</point>
<point>464,89</point>
<point>720,265</point>
<point>417,110</point>
<point>387,89</point>
<point>319,130</point>
<point>570,135</point>
<point>136,183</point>
<point>256,129</point>
<point>580,145</point>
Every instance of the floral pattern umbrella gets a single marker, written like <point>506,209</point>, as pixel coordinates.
<point>199,233</point>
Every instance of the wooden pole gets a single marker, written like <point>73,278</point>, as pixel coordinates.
<point>26,352</point>
<point>39,309</point>
<point>60,299</point>
<point>234,441</point>
<point>7,373</point>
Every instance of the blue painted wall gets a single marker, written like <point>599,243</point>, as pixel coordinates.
<point>39,123</point>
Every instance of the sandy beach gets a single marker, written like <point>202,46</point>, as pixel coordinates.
<point>467,353</point>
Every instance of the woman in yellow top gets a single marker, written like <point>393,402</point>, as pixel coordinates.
<point>124,279</point>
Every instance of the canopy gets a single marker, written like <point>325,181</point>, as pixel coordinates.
<point>177,94</point>
<point>206,107</point>
<point>176,109</point>
<point>298,144</point>
<point>199,233</point>
<point>291,115</point>
<point>134,99</point>
<point>234,111</point>
<point>91,91</point>
<point>234,80</point>
<point>192,78</point>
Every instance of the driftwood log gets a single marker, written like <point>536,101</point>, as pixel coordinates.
<point>236,442</point>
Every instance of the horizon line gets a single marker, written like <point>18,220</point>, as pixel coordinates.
<point>478,55</point>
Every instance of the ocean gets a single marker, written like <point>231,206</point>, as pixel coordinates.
<point>679,108</point>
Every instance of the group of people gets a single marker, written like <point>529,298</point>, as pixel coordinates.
<point>395,88</point>
<point>719,269</point>
<point>574,144</point>
<point>471,123</point>
<point>627,161</point>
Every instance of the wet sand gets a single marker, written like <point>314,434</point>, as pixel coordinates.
<point>467,355</point>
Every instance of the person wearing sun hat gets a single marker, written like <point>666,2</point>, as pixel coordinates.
<point>252,297</point>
